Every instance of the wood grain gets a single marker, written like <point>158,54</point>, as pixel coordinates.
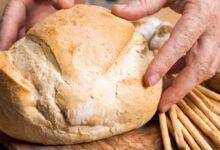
<point>145,138</point>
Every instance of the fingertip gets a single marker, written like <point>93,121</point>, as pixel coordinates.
<point>164,105</point>
<point>137,9</point>
<point>152,76</point>
<point>153,79</point>
<point>8,35</point>
<point>6,41</point>
<point>117,8</point>
<point>62,4</point>
<point>168,98</point>
<point>164,109</point>
<point>130,12</point>
<point>5,45</point>
<point>123,11</point>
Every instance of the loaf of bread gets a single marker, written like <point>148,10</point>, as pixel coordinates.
<point>76,77</point>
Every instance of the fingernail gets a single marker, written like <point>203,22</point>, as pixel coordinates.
<point>153,79</point>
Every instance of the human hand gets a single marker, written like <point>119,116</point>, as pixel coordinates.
<point>193,43</point>
<point>21,15</point>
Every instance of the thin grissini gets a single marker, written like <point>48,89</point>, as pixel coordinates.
<point>177,131</point>
<point>209,93</point>
<point>215,137</point>
<point>169,124</point>
<point>192,130</point>
<point>164,131</point>
<point>188,137</point>
<point>207,101</point>
<point>212,116</point>
<point>201,115</point>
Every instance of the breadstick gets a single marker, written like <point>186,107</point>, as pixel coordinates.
<point>199,122</point>
<point>192,130</point>
<point>206,100</point>
<point>188,137</point>
<point>215,103</point>
<point>212,116</point>
<point>208,140</point>
<point>172,132</point>
<point>164,131</point>
<point>202,115</point>
<point>177,131</point>
<point>209,93</point>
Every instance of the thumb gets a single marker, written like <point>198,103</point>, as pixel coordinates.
<point>62,4</point>
<point>138,8</point>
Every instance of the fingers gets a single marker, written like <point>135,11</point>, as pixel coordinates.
<point>62,4</point>
<point>180,86</point>
<point>201,65</point>
<point>137,9</point>
<point>39,13</point>
<point>184,35</point>
<point>13,19</point>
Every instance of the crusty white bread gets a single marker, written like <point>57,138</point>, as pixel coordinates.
<point>76,77</point>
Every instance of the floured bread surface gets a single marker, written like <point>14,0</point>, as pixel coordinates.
<point>76,77</point>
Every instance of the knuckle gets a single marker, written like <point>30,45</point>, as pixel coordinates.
<point>211,72</point>
<point>195,20</point>
<point>204,72</point>
<point>198,27</point>
<point>212,69</point>
<point>212,12</point>
<point>188,36</point>
<point>183,42</point>
<point>162,66</point>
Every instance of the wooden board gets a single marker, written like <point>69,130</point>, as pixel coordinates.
<point>145,138</point>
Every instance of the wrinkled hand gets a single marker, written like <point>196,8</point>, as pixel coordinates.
<point>195,40</point>
<point>21,15</point>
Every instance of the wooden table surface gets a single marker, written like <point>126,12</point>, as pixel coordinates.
<point>146,138</point>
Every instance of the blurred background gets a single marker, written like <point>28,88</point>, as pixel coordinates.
<point>2,5</point>
<point>164,14</point>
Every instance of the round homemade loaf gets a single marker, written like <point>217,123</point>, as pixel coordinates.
<point>76,77</point>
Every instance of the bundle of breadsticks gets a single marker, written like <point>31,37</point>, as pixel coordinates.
<point>194,122</point>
